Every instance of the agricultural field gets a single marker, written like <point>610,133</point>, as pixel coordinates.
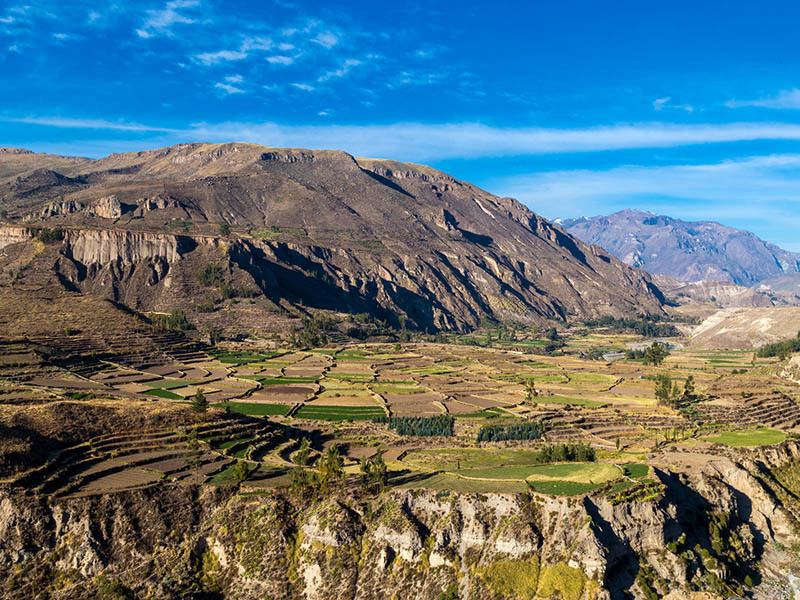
<point>353,396</point>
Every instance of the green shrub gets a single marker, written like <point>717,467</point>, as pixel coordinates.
<point>50,236</point>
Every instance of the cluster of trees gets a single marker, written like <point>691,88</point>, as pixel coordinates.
<point>780,349</point>
<point>516,431</point>
<point>374,474</point>
<point>423,426</point>
<point>211,275</point>
<point>50,236</point>
<point>652,355</point>
<point>328,476</point>
<point>570,452</point>
<point>670,394</point>
<point>312,333</point>
<point>646,325</point>
<point>176,321</point>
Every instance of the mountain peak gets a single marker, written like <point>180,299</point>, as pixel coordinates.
<point>685,250</point>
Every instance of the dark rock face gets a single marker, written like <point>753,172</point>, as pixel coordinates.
<point>320,229</point>
<point>688,251</point>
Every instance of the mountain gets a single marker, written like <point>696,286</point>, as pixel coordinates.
<point>296,230</point>
<point>687,251</point>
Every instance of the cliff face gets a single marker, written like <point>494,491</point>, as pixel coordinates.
<point>729,521</point>
<point>324,228</point>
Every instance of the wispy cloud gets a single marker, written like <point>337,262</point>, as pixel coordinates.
<point>160,22</point>
<point>342,71</point>
<point>660,104</point>
<point>786,99</point>
<point>326,39</point>
<point>98,124</point>
<point>304,86</point>
<point>213,58</point>
<point>227,88</point>
<point>280,60</point>
<point>418,141</point>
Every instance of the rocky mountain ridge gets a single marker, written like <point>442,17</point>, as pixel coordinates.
<point>687,251</point>
<point>317,229</point>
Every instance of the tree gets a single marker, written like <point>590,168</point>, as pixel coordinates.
<point>241,471</point>
<point>688,388</point>
<point>530,392</point>
<point>303,454</point>
<point>655,354</point>
<point>374,473</point>
<point>199,402</point>
<point>301,482</point>
<point>330,469</point>
<point>224,229</point>
<point>552,334</point>
<point>664,390</point>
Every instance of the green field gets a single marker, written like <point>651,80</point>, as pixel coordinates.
<point>636,470</point>
<point>170,384</point>
<point>228,443</point>
<point>268,381</point>
<point>167,395</point>
<point>451,459</point>
<point>398,387</point>
<point>241,358</point>
<point>450,483</point>
<point>254,409</point>
<point>352,377</point>
<point>563,488</point>
<point>340,413</point>
<point>559,399</point>
<point>763,436</point>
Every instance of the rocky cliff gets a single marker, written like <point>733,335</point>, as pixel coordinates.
<point>726,525</point>
<point>316,229</point>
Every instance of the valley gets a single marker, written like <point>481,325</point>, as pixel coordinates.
<point>231,371</point>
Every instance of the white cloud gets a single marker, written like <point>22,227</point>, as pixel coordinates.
<point>326,39</point>
<point>7,20</point>
<point>280,60</point>
<point>227,89</point>
<point>786,99</point>
<point>247,46</point>
<point>419,141</point>
<point>659,103</point>
<point>256,43</point>
<point>14,48</point>
<point>160,22</point>
<point>234,79</point>
<point>213,58</point>
<point>662,103</point>
<point>99,124</point>
<point>304,86</point>
<point>346,67</point>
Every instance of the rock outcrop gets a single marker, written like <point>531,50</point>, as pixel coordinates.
<point>709,530</point>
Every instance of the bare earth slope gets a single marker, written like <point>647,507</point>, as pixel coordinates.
<point>316,229</point>
<point>688,251</point>
<point>746,328</point>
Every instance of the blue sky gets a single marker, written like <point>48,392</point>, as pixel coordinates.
<point>690,109</point>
